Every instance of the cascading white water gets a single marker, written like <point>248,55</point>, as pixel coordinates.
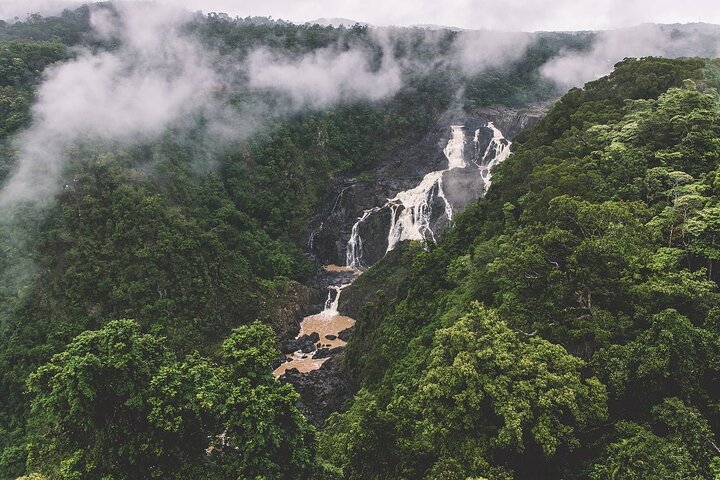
<point>411,211</point>
<point>354,252</point>
<point>455,149</point>
<point>498,145</point>
<point>311,239</point>
<point>333,301</point>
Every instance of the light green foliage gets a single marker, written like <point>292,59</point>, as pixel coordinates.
<point>485,389</point>
<point>479,369</point>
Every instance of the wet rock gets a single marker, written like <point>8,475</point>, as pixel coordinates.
<point>331,337</point>
<point>322,391</point>
<point>278,361</point>
<point>289,346</point>
<point>305,344</point>
<point>327,352</point>
<point>349,197</point>
<point>308,347</point>
<point>344,335</point>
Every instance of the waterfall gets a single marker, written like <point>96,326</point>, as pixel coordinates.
<point>338,200</point>
<point>333,301</point>
<point>311,240</point>
<point>410,219</point>
<point>354,253</point>
<point>411,211</point>
<point>499,147</point>
<point>455,149</point>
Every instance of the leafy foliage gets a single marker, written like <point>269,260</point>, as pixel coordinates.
<point>566,326</point>
<point>593,257</point>
<point>117,404</point>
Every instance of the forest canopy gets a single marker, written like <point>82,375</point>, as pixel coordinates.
<point>566,325</point>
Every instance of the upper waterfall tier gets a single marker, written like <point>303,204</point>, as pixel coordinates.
<point>420,212</point>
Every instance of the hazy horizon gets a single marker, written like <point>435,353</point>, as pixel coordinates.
<point>513,15</point>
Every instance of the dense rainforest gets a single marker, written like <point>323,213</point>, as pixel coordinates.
<point>566,326</point>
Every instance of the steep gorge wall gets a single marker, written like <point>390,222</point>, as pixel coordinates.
<point>373,195</point>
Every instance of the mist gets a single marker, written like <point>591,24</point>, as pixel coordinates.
<point>20,9</point>
<point>325,77</point>
<point>477,51</point>
<point>157,77</point>
<point>573,69</point>
<point>161,76</point>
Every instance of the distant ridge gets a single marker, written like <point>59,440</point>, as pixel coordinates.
<point>430,26</point>
<point>337,22</point>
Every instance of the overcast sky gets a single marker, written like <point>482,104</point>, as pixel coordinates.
<point>528,15</point>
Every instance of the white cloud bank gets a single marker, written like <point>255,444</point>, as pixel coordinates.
<point>576,68</point>
<point>325,77</point>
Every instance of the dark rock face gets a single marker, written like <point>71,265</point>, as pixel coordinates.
<point>349,198</point>
<point>286,308</point>
<point>322,391</point>
<point>326,352</point>
<point>512,121</point>
<point>344,335</point>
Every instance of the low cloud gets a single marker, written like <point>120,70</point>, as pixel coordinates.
<point>477,51</point>
<point>156,78</point>
<point>576,68</point>
<point>162,77</point>
<point>326,76</point>
<point>20,9</point>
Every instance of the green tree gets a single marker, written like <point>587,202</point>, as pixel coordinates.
<point>686,451</point>
<point>479,369</point>
<point>118,404</point>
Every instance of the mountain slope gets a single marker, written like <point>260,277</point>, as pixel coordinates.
<point>566,327</point>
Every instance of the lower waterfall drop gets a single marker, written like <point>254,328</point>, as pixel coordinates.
<point>327,324</point>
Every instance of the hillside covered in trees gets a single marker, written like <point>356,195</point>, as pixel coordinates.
<point>572,330</point>
<point>566,326</point>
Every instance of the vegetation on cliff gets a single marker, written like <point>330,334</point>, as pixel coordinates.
<point>566,327</point>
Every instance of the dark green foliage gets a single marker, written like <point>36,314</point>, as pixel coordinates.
<point>69,28</point>
<point>21,65</point>
<point>684,449</point>
<point>566,326</point>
